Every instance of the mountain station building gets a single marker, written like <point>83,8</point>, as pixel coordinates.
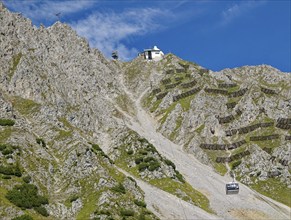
<point>152,54</point>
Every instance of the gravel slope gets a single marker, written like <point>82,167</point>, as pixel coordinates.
<point>248,204</point>
<point>167,206</point>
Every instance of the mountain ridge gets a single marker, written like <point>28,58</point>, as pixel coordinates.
<point>81,121</point>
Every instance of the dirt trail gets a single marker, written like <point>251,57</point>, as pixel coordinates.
<point>202,177</point>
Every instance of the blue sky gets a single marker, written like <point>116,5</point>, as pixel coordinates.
<point>215,34</point>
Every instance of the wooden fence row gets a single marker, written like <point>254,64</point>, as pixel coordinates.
<point>264,138</point>
<point>186,94</point>
<point>232,158</point>
<point>227,85</point>
<point>247,129</point>
<point>268,91</point>
<point>189,84</point>
<point>166,81</point>
<point>284,123</point>
<point>231,105</point>
<point>171,86</point>
<point>156,91</point>
<point>238,93</point>
<point>223,146</point>
<point>161,95</point>
<point>216,91</point>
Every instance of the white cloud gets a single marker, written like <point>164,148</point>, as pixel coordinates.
<point>40,11</point>
<point>108,31</point>
<point>238,10</point>
<point>105,30</point>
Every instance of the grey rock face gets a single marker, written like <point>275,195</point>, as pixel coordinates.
<point>60,91</point>
<point>231,100</point>
<point>56,88</point>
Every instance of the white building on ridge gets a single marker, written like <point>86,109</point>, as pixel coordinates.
<point>152,54</point>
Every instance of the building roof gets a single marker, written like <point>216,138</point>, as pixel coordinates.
<point>155,48</point>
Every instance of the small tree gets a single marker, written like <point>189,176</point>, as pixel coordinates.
<point>6,122</point>
<point>41,210</point>
<point>26,179</point>
<point>26,196</point>
<point>119,188</point>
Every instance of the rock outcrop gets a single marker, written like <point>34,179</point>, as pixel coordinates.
<point>67,117</point>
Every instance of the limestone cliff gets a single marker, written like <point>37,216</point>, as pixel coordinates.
<point>91,138</point>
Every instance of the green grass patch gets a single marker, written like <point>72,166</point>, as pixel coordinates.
<point>3,200</point>
<point>89,204</point>
<point>200,128</point>
<point>274,189</point>
<point>66,123</point>
<point>146,102</point>
<point>238,150</point>
<point>219,167</point>
<point>168,185</point>
<point>112,171</point>
<point>6,122</point>
<point>282,84</point>
<point>264,132</point>
<point>212,154</point>
<point>63,135</point>
<point>186,102</point>
<point>119,188</point>
<point>234,99</point>
<point>155,105</point>
<point>167,112</point>
<point>5,133</point>
<point>233,89</point>
<point>23,217</point>
<point>179,121</point>
<point>126,212</point>
<point>15,61</point>
<point>267,119</point>
<point>25,106</point>
<point>235,164</point>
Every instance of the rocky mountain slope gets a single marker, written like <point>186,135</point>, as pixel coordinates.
<point>83,137</point>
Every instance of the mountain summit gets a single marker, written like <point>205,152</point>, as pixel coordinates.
<point>84,137</point>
